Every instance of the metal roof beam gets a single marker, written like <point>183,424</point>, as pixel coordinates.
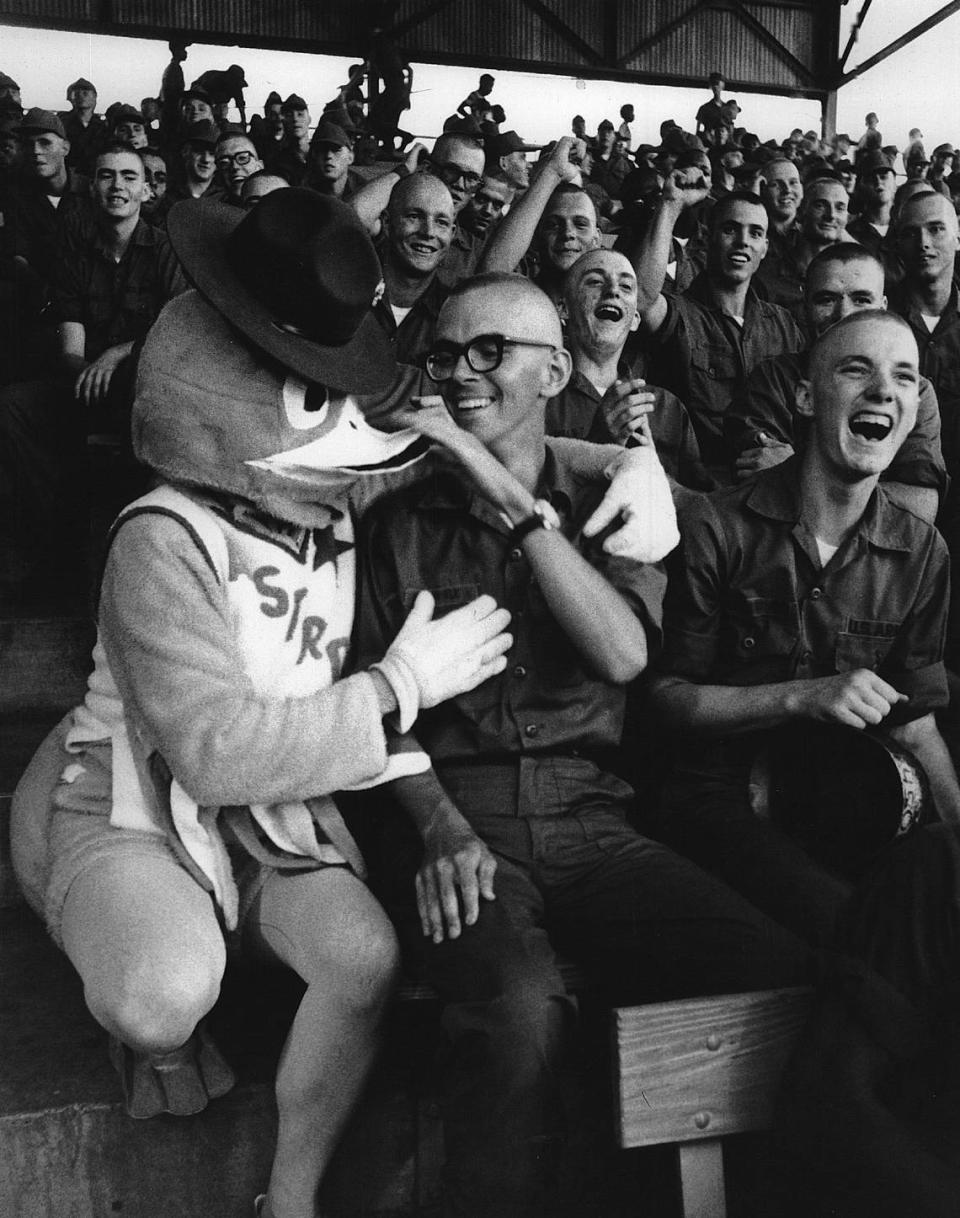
<point>898,44</point>
<point>854,34</point>
<point>773,42</point>
<point>661,32</point>
<point>569,36</point>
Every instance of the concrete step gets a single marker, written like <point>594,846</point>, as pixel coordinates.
<point>68,1150</point>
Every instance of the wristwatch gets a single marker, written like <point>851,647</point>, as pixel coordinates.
<point>543,516</point>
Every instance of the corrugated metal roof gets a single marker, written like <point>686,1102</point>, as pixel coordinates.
<point>666,40</point>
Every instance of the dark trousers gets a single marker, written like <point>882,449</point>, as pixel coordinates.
<point>715,826</point>
<point>572,877</point>
<point>872,1101</point>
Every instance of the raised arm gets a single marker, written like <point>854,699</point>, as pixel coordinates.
<point>683,188</point>
<point>370,201</point>
<point>514,234</point>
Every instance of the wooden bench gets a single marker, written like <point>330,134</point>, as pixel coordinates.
<point>693,1071</point>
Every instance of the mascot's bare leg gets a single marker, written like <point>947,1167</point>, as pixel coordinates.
<point>327,927</point>
<point>148,976</point>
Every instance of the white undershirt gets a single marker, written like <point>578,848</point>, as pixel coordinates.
<point>56,200</point>
<point>399,313</point>
<point>930,321</point>
<point>825,550</point>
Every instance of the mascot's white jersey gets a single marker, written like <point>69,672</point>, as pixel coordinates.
<point>288,595</point>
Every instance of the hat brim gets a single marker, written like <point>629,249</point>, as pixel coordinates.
<point>198,231</point>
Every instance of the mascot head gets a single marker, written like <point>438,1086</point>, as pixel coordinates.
<point>264,382</point>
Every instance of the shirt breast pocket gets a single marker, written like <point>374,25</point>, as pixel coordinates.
<point>445,596</point>
<point>765,637</point>
<point>713,361</point>
<point>865,644</point>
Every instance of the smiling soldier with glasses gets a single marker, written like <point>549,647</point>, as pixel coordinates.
<point>236,159</point>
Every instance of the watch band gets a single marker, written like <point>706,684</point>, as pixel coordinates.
<point>543,516</point>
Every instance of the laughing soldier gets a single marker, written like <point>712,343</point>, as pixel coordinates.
<point>805,596</point>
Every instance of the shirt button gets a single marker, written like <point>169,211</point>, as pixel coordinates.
<point>519,671</point>
<point>516,554</point>
<point>816,594</point>
<point>806,657</point>
<point>749,642</point>
<point>531,730</point>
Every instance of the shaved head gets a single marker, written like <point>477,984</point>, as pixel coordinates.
<point>509,296</point>
<point>844,333</point>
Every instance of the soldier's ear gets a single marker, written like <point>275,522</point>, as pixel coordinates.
<point>556,373</point>
<point>804,399</point>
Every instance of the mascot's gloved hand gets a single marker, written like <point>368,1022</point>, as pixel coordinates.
<point>640,495</point>
<point>432,660</point>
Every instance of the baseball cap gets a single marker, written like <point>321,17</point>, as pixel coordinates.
<point>127,114</point>
<point>42,121</point>
<point>508,141</point>
<point>330,133</point>
<point>876,160</point>
<point>203,132</point>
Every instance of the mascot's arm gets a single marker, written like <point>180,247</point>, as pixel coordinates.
<point>165,629</point>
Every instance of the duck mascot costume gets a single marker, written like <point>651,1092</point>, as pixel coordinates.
<point>186,808</point>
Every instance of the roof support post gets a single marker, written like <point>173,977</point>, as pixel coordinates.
<point>828,120</point>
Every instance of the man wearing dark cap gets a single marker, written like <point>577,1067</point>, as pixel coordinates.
<point>195,107</point>
<point>9,95</point>
<point>291,161</point>
<point>917,163</point>
<point>266,130</point>
<point>877,184</point>
<point>199,164</point>
<point>941,166</point>
<point>509,151</point>
<point>34,210</point>
<point>609,166</point>
<point>329,162</point>
<point>130,126</point>
<point>83,127</point>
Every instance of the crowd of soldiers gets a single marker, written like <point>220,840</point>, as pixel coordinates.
<point>778,322</point>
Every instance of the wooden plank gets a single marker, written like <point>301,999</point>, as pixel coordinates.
<point>702,1067</point>
<point>701,1179</point>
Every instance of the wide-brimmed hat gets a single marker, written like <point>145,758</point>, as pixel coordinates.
<point>298,276</point>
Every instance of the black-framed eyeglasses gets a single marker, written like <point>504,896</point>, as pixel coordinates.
<point>484,353</point>
<point>238,158</point>
<point>450,173</point>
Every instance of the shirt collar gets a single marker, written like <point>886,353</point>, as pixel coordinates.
<point>143,234</point>
<point>702,293</point>
<point>558,484</point>
<point>776,495</point>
